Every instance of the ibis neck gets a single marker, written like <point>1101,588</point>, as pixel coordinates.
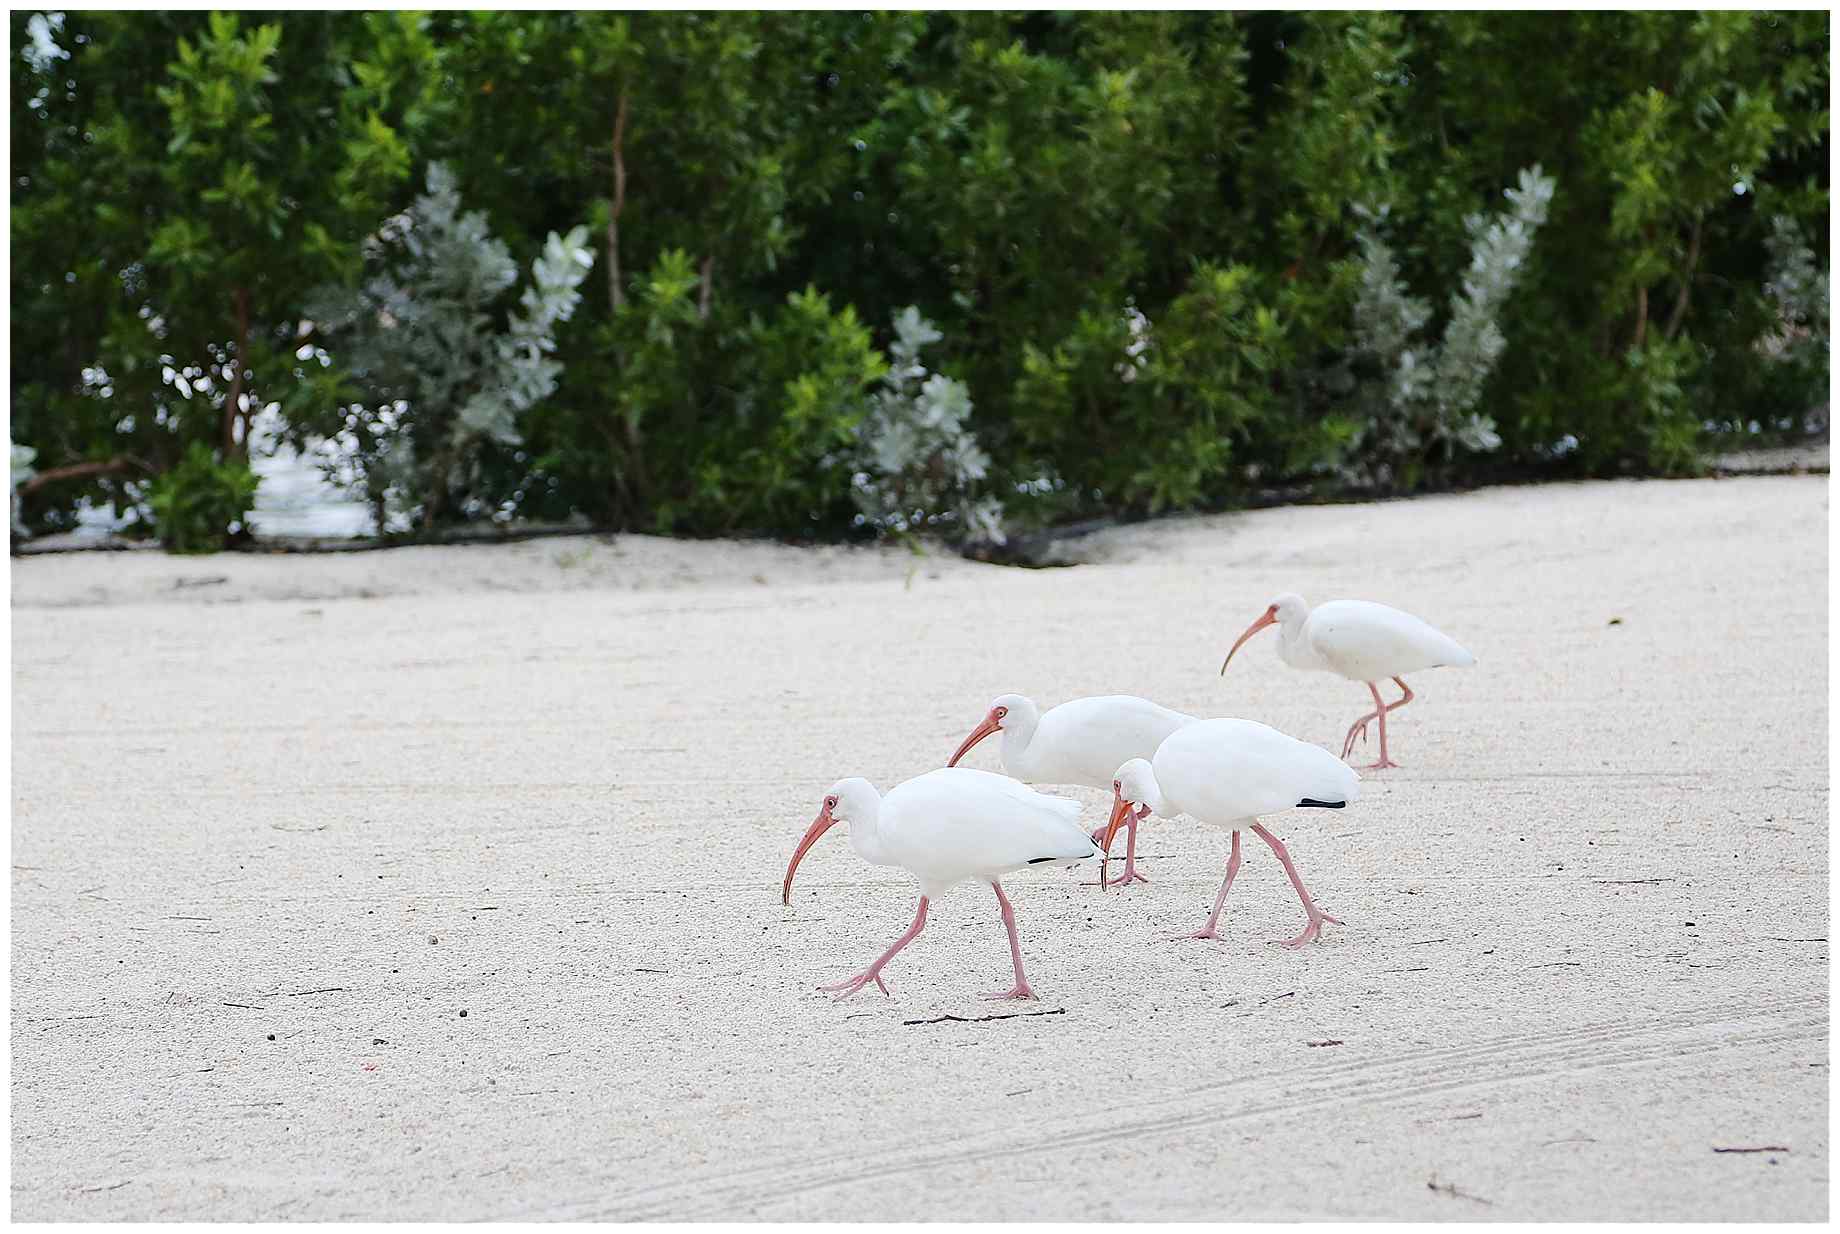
<point>866,836</point>
<point>1291,648</point>
<point>1018,734</point>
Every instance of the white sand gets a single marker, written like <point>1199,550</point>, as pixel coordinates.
<point>1586,921</point>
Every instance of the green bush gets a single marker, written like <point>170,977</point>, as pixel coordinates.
<point>1150,242</point>
<point>1139,413</point>
<point>202,503</point>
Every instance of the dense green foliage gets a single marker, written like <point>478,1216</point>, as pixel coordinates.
<point>201,500</point>
<point>1167,257</point>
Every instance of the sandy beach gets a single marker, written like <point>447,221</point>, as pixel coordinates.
<point>443,883</point>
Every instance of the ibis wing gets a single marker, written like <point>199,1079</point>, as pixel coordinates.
<point>957,822</point>
<point>1095,736</point>
<point>1371,642</point>
<point>1227,769</point>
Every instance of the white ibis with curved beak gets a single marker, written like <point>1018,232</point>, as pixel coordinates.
<point>1081,741</point>
<point>1229,773</point>
<point>1359,640</point>
<point>943,827</point>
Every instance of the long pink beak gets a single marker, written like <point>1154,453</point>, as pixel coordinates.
<point>990,725</point>
<point>1270,618</point>
<point>819,826</point>
<point>1121,810</point>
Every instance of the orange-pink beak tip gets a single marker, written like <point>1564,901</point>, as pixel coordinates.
<point>819,826</point>
<point>1270,617</point>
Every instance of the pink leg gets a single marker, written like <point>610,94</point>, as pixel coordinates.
<point>850,985</point>
<point>1317,916</point>
<point>1130,852</point>
<point>1207,931</point>
<point>1021,988</point>
<point>1359,728</point>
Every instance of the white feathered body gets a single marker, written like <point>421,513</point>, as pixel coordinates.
<point>1085,740</point>
<point>956,823</point>
<point>1226,771</point>
<point>1364,641</point>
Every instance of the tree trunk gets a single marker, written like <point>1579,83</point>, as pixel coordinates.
<point>1641,317</point>
<point>615,296</point>
<point>437,485</point>
<point>635,454</point>
<point>1686,281</point>
<point>232,412</point>
<point>702,298</point>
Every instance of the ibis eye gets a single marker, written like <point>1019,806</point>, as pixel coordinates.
<point>1001,712</point>
<point>830,803</point>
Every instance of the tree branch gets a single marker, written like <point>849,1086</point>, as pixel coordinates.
<point>615,296</point>
<point>1641,317</point>
<point>702,299</point>
<point>80,471</point>
<point>1686,280</point>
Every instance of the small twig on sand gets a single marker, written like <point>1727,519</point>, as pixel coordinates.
<point>1456,1193</point>
<point>331,989</point>
<point>982,1019</point>
<point>1762,1148</point>
<point>1319,1044</point>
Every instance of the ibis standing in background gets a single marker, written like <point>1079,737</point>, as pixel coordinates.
<point>1359,640</point>
<point>1082,741</point>
<point>944,827</point>
<point>1229,773</point>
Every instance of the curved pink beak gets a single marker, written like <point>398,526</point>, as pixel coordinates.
<point>990,725</point>
<point>1270,618</point>
<point>819,826</point>
<point>1121,810</point>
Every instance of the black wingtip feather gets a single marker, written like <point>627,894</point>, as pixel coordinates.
<point>1324,805</point>
<point>1035,861</point>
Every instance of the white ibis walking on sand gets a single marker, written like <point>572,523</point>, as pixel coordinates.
<point>1359,640</point>
<point>1082,741</point>
<point>1228,773</point>
<point>943,827</point>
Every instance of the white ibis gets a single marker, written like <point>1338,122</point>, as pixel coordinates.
<point>1359,640</point>
<point>1229,773</point>
<point>943,827</point>
<point>1082,741</point>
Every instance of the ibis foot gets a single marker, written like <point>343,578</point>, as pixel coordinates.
<point>1205,933</point>
<point>1312,930</point>
<point>1019,991</point>
<point>1129,876</point>
<point>850,985</point>
<point>1382,765</point>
